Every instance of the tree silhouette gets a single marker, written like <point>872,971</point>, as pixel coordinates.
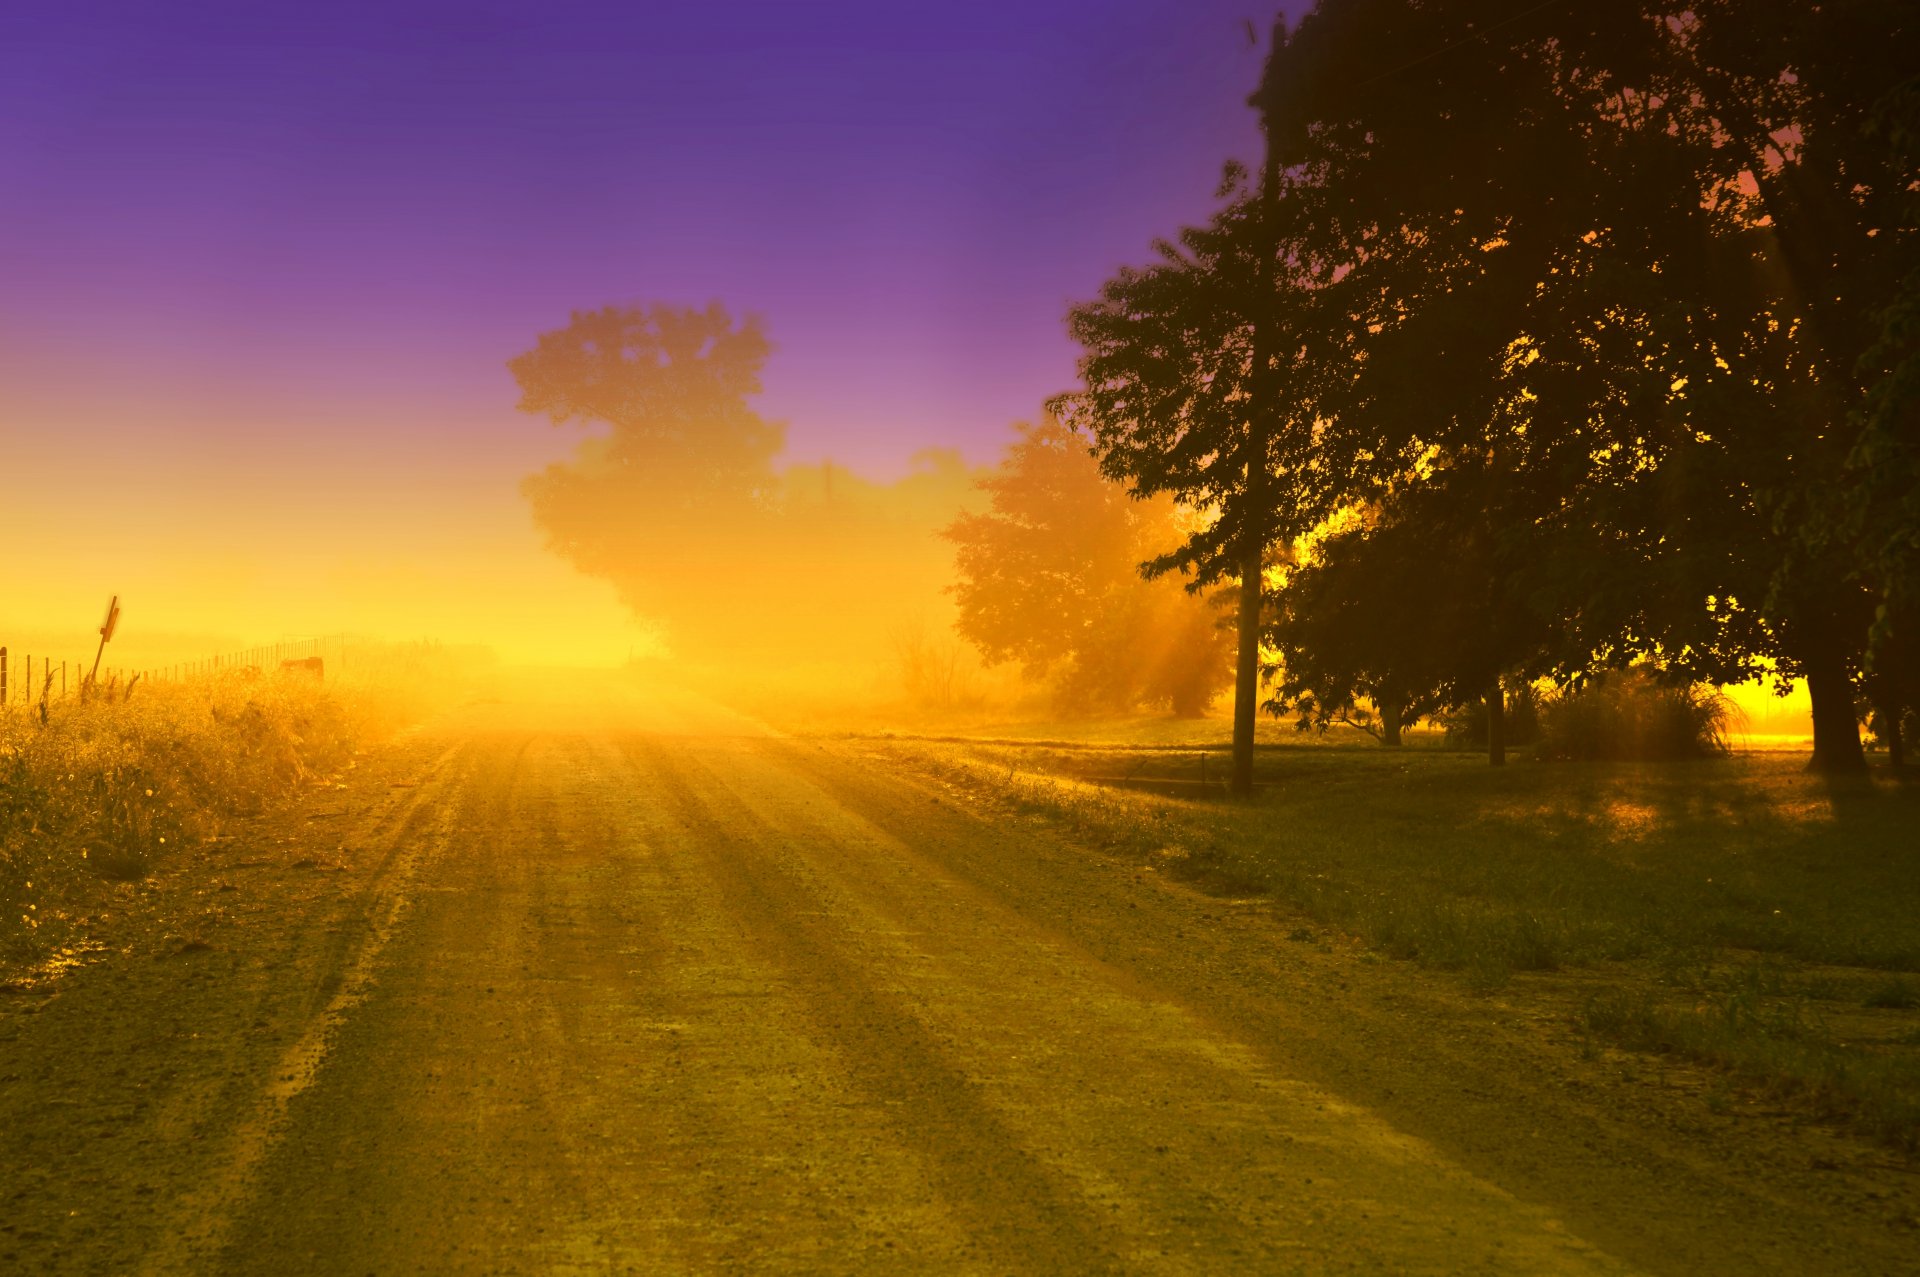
<point>1602,275</point>
<point>1188,389</point>
<point>1887,457</point>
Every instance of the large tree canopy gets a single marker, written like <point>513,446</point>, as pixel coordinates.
<point>677,501</point>
<point>1593,340</point>
<point>651,502</point>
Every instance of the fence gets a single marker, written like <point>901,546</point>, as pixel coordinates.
<point>31,677</point>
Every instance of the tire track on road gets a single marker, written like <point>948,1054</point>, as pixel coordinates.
<point>198,1220</point>
<point>1019,1217</point>
<point>1183,1147</point>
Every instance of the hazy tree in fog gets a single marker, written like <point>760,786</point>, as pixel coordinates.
<point>676,497</point>
<point>645,504</point>
<point>1049,577</point>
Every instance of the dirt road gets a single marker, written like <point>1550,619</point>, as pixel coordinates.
<point>639,988</point>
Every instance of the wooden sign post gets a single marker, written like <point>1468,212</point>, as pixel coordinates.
<point>106,632</point>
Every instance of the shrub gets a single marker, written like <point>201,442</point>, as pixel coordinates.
<point>1467,724</point>
<point>1635,715</point>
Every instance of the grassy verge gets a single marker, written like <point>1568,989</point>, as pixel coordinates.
<point>97,793</point>
<point>1735,912</point>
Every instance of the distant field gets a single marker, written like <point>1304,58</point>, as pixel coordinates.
<point>1736,912</point>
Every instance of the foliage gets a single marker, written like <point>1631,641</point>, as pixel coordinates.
<point>1574,307</point>
<point>1467,724</point>
<point>1048,576</point>
<point>1171,386</point>
<point>1363,616</point>
<point>649,504</point>
<point>1195,384</point>
<point>1635,715</point>
<point>1886,462</point>
<point>935,672</point>
<point>673,384</point>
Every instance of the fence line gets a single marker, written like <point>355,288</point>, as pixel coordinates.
<point>28,678</point>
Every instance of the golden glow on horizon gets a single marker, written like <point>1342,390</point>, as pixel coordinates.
<point>210,550</point>
<point>215,548</point>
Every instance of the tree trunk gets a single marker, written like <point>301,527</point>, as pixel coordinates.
<point>1836,727</point>
<point>1389,721</point>
<point>1883,690</point>
<point>1497,726</point>
<point>1246,675</point>
<point>1256,518</point>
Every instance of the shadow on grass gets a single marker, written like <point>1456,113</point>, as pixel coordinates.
<point>1682,879</point>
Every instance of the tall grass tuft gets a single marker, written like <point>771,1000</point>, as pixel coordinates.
<point>1633,715</point>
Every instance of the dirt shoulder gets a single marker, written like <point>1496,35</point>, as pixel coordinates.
<point>120,1073</point>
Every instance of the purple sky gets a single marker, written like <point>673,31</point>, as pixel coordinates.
<point>219,220</point>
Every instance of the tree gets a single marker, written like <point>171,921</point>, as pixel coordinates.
<point>1186,391</point>
<point>1604,271</point>
<point>678,502</point>
<point>650,504</point>
<point>1048,576</point>
<point>1886,456</point>
<point>1476,367</point>
<point>1787,90</point>
<point>1361,617</point>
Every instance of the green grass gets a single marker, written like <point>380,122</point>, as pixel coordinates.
<point>1893,995</point>
<point>1779,1048</point>
<point>1741,884</point>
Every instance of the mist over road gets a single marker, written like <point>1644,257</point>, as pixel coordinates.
<point>640,987</point>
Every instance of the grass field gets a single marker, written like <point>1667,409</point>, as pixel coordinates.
<point>1733,911</point>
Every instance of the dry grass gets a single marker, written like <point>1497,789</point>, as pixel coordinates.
<point>104,789</point>
<point>99,791</point>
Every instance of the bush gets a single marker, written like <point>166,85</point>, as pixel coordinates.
<point>1467,724</point>
<point>1635,715</point>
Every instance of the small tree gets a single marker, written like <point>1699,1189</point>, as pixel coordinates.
<point>1189,389</point>
<point>1049,577</point>
<point>1360,620</point>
